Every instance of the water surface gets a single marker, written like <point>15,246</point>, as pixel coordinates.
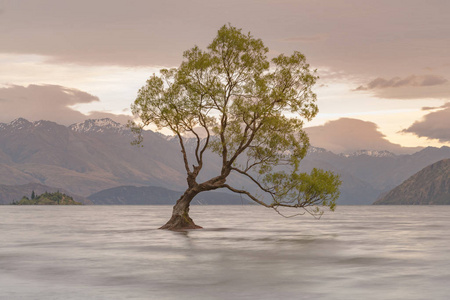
<point>244,252</point>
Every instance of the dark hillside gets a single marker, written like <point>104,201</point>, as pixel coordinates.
<point>431,185</point>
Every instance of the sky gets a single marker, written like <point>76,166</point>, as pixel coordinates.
<point>384,66</point>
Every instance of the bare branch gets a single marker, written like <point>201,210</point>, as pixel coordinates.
<point>183,151</point>
<point>246,193</point>
<point>197,146</point>
<point>245,146</point>
<point>271,192</point>
<point>208,136</point>
<point>290,216</point>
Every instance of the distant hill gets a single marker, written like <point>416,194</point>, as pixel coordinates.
<point>48,199</point>
<point>95,155</point>
<point>368,174</point>
<point>10,193</point>
<point>91,156</point>
<point>431,185</point>
<point>152,195</point>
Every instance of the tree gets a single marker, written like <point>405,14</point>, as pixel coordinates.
<point>251,111</point>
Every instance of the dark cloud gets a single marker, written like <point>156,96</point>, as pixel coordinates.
<point>429,108</point>
<point>435,125</point>
<point>362,36</point>
<point>411,87</point>
<point>410,81</point>
<point>47,102</point>
<point>347,135</point>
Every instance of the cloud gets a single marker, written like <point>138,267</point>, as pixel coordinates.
<point>410,81</point>
<point>429,108</point>
<point>363,36</point>
<point>348,135</point>
<point>47,102</point>
<point>434,125</point>
<point>411,87</point>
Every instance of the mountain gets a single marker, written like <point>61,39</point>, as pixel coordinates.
<point>132,195</point>
<point>95,155</point>
<point>86,157</point>
<point>105,125</point>
<point>368,174</point>
<point>373,153</point>
<point>10,193</point>
<point>431,185</point>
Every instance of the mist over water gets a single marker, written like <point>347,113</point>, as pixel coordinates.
<point>244,252</point>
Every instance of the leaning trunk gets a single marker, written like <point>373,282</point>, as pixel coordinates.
<point>180,219</point>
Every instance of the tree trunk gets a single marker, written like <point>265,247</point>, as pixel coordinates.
<point>180,219</point>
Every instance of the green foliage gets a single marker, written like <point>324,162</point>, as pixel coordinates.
<point>252,111</point>
<point>47,199</point>
<point>303,189</point>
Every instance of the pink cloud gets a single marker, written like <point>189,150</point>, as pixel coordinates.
<point>435,125</point>
<point>48,102</point>
<point>411,81</point>
<point>347,135</point>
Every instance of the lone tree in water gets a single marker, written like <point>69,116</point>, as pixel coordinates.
<point>252,112</point>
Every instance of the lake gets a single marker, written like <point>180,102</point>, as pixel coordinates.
<point>244,252</point>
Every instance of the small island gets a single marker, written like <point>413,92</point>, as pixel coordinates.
<point>47,199</point>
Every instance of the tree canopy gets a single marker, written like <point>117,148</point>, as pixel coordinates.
<point>251,112</point>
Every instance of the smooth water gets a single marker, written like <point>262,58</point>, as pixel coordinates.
<point>244,252</point>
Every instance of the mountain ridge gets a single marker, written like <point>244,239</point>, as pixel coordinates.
<point>87,157</point>
<point>431,185</point>
<point>98,126</point>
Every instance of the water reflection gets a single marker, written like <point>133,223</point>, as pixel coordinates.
<point>117,253</point>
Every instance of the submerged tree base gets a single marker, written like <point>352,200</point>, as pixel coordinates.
<point>180,223</point>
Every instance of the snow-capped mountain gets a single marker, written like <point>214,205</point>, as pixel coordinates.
<point>316,150</point>
<point>372,153</point>
<point>96,154</point>
<point>85,157</point>
<point>98,126</point>
<point>19,123</point>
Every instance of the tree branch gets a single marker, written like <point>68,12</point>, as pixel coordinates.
<point>183,151</point>
<point>254,180</point>
<point>246,193</point>
<point>208,135</point>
